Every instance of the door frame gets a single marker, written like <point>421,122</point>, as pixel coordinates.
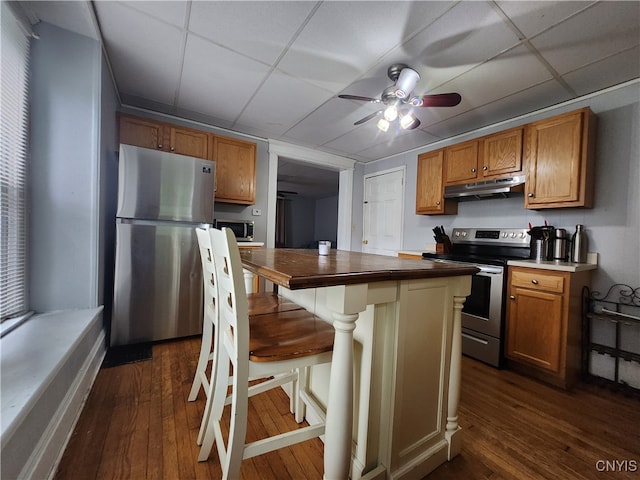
<point>402,169</point>
<point>345,167</point>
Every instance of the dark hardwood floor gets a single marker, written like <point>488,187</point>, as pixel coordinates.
<point>137,424</point>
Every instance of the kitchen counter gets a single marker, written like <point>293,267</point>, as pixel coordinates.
<point>592,264</point>
<point>392,391</point>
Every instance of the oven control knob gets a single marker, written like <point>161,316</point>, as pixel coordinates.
<point>464,234</point>
<point>457,234</point>
<point>523,235</point>
<point>505,234</point>
<point>513,235</point>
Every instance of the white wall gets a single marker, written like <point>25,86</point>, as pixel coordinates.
<point>64,193</point>
<point>612,226</point>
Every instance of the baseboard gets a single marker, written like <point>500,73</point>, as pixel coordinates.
<point>46,455</point>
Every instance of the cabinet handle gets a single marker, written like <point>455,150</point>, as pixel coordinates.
<point>485,168</point>
<point>172,149</point>
<point>365,242</point>
<point>438,203</point>
<point>473,170</point>
<point>530,195</point>
<point>512,297</point>
<point>534,281</point>
<point>160,146</point>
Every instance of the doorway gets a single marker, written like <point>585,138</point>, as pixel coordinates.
<point>343,166</point>
<point>306,206</point>
<point>382,213</point>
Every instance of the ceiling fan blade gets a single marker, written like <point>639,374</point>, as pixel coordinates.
<point>441,100</point>
<point>358,97</point>
<point>368,117</point>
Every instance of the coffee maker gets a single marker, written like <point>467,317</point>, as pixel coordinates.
<point>541,244</point>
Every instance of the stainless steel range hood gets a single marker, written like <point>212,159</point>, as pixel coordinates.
<point>503,187</point>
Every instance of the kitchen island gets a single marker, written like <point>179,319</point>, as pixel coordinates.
<point>398,327</point>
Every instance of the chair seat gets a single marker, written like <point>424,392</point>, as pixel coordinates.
<point>288,335</point>
<point>267,302</point>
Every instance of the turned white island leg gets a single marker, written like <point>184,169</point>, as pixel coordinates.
<point>345,302</point>
<point>454,379</point>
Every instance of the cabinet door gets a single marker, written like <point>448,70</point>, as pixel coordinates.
<point>558,156</point>
<point>502,153</point>
<point>235,170</point>
<point>461,163</point>
<point>430,189</point>
<point>187,141</point>
<point>141,132</point>
<point>534,328</point>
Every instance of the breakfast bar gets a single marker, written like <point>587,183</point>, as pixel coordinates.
<point>392,392</point>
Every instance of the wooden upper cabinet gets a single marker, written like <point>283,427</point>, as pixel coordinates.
<point>147,133</point>
<point>560,154</point>
<point>141,132</point>
<point>494,156</point>
<point>461,163</point>
<point>430,186</point>
<point>501,153</point>
<point>235,170</point>
<point>187,141</point>
<point>235,159</point>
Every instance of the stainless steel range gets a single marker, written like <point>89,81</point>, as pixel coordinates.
<point>483,314</point>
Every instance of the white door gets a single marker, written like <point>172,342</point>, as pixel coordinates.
<point>383,212</point>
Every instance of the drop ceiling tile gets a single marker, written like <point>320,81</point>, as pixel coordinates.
<point>330,121</point>
<point>506,74</point>
<point>515,105</point>
<point>465,36</point>
<point>533,17</point>
<point>260,30</point>
<point>411,140</point>
<point>274,108</point>
<point>345,39</point>
<point>367,136</point>
<point>594,34</point>
<point>611,71</point>
<point>170,12</point>
<point>216,80</point>
<point>151,69</point>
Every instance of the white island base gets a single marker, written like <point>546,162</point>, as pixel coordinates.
<point>407,354</point>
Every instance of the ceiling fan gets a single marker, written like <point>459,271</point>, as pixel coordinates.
<point>399,99</point>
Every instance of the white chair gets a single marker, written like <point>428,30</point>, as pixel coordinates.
<point>259,304</point>
<point>281,343</point>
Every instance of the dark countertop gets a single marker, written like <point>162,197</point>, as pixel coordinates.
<point>301,268</point>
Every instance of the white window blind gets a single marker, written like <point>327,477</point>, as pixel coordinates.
<point>14,55</point>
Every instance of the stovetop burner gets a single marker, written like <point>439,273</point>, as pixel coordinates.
<point>485,246</point>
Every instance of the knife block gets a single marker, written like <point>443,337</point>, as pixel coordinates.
<point>439,247</point>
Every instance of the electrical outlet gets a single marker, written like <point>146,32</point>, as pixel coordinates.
<point>256,212</point>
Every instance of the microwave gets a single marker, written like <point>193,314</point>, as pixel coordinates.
<point>243,229</point>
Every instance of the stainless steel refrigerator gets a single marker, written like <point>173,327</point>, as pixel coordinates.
<point>162,198</point>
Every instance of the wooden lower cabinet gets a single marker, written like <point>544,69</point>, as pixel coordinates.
<point>543,328</point>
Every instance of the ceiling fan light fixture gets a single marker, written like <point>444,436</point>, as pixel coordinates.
<point>406,82</point>
<point>383,125</point>
<point>390,113</point>
<point>415,102</point>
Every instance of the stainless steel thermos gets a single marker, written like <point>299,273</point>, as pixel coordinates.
<point>560,251</point>
<point>579,245</point>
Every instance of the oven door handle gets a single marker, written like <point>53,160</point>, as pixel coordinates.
<point>489,270</point>
<point>475,339</point>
